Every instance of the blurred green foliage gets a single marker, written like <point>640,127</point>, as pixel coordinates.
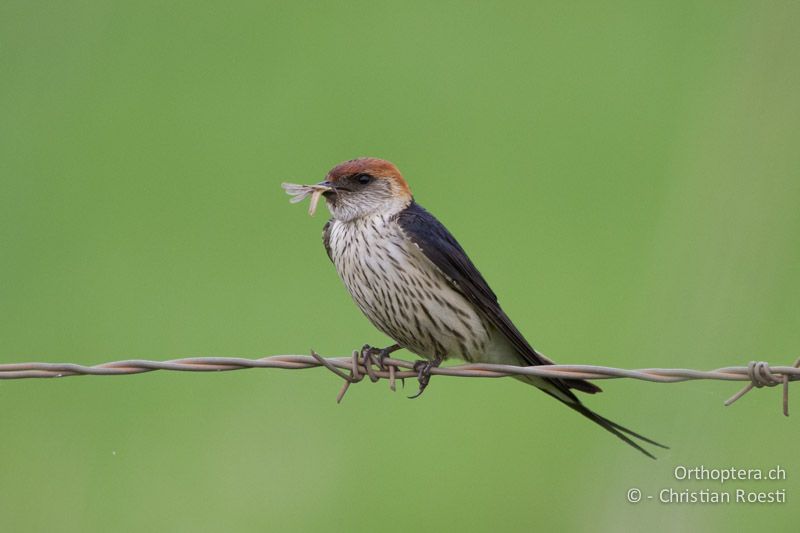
<point>626,175</point>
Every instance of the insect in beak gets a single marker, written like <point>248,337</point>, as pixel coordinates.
<point>300,192</point>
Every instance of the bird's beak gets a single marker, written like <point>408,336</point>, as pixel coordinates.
<point>327,186</point>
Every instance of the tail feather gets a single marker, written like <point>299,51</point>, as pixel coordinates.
<point>560,390</point>
<point>621,432</point>
<point>582,385</point>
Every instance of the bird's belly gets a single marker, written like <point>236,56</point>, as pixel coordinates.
<point>404,294</point>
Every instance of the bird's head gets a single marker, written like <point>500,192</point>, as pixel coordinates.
<point>363,187</point>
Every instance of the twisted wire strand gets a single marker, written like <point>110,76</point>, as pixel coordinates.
<point>353,369</point>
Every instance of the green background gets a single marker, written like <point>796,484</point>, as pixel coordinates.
<point>625,175</point>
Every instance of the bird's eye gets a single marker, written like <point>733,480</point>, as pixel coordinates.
<point>363,179</point>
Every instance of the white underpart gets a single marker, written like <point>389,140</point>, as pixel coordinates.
<point>407,297</point>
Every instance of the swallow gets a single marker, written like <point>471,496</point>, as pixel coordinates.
<point>416,284</point>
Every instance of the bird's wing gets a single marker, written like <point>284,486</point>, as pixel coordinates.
<point>442,249</point>
<point>326,238</point>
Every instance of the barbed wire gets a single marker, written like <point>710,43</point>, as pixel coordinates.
<point>360,365</point>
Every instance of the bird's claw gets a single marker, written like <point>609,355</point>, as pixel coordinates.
<point>423,369</point>
<point>373,356</point>
<point>370,356</point>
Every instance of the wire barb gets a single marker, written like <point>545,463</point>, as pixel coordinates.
<point>761,375</point>
<point>354,368</point>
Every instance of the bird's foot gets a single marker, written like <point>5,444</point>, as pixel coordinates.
<point>423,369</point>
<point>375,356</point>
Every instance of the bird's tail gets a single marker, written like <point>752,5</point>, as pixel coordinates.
<point>564,395</point>
<point>627,435</point>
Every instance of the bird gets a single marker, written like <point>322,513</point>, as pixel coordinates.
<point>416,284</point>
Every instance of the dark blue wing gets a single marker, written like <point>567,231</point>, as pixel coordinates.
<point>443,250</point>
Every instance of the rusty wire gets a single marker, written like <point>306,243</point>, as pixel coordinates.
<point>353,369</point>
